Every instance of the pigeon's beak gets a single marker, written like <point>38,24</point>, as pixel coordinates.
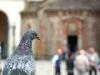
<point>38,37</point>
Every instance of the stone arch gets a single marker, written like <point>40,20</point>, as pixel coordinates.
<point>76,29</point>
<point>3,34</point>
<point>75,24</point>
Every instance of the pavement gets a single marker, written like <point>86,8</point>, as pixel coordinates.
<point>45,68</point>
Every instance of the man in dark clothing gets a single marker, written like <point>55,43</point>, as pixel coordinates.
<point>70,64</point>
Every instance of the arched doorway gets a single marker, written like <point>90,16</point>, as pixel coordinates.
<point>3,34</point>
<point>72,37</point>
<point>74,33</point>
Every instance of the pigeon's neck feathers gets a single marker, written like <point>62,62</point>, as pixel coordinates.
<point>25,45</point>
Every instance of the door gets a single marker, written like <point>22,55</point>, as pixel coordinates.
<point>72,43</point>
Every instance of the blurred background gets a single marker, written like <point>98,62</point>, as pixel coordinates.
<point>63,24</point>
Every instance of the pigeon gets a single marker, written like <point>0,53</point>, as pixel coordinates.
<point>22,62</point>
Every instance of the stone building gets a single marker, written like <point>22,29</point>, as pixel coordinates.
<point>63,23</point>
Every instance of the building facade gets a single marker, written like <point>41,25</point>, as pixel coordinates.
<point>63,23</point>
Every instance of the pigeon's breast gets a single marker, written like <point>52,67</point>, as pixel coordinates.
<point>22,62</point>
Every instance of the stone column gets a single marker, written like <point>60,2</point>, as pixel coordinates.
<point>90,22</point>
<point>10,40</point>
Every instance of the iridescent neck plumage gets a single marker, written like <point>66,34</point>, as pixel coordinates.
<point>25,46</point>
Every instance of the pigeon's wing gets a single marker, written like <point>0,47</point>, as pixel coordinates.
<point>16,72</point>
<point>19,65</point>
<point>9,64</point>
<point>19,72</point>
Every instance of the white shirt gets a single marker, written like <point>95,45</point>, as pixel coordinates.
<point>55,58</point>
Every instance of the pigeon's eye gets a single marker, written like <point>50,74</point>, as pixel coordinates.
<point>35,35</point>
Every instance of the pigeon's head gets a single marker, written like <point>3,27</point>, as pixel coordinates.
<point>31,35</point>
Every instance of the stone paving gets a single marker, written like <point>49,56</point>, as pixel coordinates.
<point>46,68</point>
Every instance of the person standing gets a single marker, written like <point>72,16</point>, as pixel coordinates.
<point>57,62</point>
<point>70,64</point>
<point>93,58</point>
<point>81,64</point>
